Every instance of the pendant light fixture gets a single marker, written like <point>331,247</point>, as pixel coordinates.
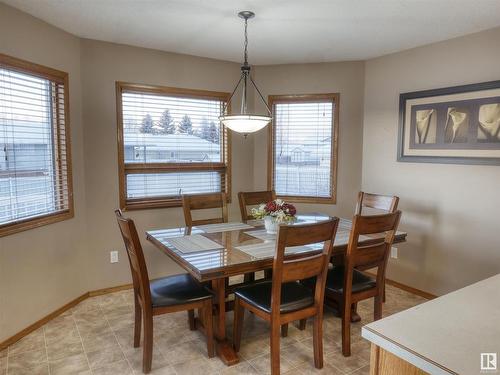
<point>245,122</point>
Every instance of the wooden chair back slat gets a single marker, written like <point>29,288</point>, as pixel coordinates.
<point>370,256</point>
<point>253,198</point>
<point>208,221</point>
<point>300,235</point>
<point>204,202</point>
<point>303,267</point>
<point>376,201</point>
<point>373,224</point>
<point>136,259</point>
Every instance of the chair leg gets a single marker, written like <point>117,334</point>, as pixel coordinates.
<point>383,296</point>
<point>147,354</point>
<point>191,322</point>
<point>275,348</point>
<point>284,330</point>
<point>209,330</point>
<point>318,341</point>
<point>302,324</point>
<point>377,308</point>
<point>137,325</point>
<point>346,330</point>
<point>239,314</point>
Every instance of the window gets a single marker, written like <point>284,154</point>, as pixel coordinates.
<point>170,143</point>
<point>303,147</point>
<point>35,162</point>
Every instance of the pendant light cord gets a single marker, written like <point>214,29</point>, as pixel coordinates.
<point>245,74</point>
<point>246,43</point>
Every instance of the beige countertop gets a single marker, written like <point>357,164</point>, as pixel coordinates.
<point>448,334</point>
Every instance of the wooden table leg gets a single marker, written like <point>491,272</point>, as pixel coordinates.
<point>333,305</point>
<point>354,313</point>
<point>224,348</point>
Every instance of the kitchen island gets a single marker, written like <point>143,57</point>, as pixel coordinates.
<point>458,333</point>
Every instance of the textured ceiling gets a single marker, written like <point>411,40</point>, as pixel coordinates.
<point>284,31</point>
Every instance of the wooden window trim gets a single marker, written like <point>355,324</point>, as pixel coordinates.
<point>60,77</point>
<point>124,169</point>
<point>303,98</point>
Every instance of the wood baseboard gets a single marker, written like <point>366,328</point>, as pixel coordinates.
<point>99,292</point>
<point>410,289</point>
<point>405,287</point>
<point>33,327</point>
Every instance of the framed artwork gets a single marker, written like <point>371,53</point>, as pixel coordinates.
<point>458,124</point>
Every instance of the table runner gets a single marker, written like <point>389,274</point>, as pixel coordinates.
<point>267,249</point>
<point>223,227</point>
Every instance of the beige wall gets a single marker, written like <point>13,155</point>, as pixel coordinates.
<point>346,78</point>
<point>44,268</point>
<point>449,211</point>
<point>102,65</point>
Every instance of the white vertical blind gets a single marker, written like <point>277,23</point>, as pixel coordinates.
<point>33,163</point>
<point>303,148</point>
<point>179,134</point>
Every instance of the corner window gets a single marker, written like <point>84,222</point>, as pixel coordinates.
<point>35,163</point>
<point>303,147</point>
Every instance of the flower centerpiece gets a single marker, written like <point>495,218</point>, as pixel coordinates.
<point>274,213</point>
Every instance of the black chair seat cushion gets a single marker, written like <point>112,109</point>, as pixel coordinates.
<point>294,296</point>
<point>176,290</point>
<point>335,281</point>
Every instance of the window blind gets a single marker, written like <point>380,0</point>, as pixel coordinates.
<point>34,180</point>
<point>302,148</point>
<point>173,144</point>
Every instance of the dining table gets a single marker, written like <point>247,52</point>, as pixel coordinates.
<point>213,253</point>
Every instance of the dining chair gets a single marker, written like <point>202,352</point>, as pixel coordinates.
<point>346,284</point>
<point>375,202</point>
<point>161,296</point>
<point>253,198</point>
<point>196,202</point>
<point>284,299</point>
<point>379,202</point>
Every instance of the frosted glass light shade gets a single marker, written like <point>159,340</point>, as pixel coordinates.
<point>245,123</point>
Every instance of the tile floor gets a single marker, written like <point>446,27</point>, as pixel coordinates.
<point>95,337</point>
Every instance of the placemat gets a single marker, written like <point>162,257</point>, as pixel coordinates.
<point>193,243</point>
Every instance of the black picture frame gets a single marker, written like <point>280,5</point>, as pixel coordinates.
<point>404,97</point>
